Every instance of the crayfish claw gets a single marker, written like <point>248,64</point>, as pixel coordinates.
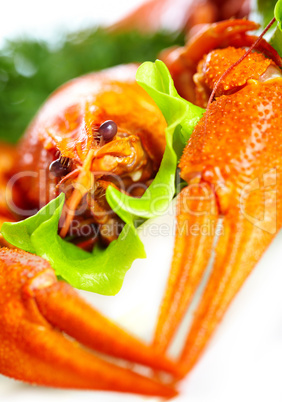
<point>196,211</point>
<point>36,314</point>
<point>239,248</point>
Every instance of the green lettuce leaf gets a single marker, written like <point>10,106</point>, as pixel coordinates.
<point>276,37</point>
<point>262,12</point>
<point>102,272</point>
<point>278,13</point>
<point>181,117</point>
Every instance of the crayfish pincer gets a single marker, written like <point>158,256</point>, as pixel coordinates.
<point>37,312</point>
<point>233,167</point>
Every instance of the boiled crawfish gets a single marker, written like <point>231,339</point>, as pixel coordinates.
<point>217,163</point>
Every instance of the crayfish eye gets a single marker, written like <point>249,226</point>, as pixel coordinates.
<point>108,130</point>
<point>60,167</point>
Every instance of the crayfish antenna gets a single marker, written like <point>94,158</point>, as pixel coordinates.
<point>82,185</point>
<point>251,48</point>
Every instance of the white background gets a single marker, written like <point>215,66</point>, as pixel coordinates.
<point>244,360</point>
<point>44,19</point>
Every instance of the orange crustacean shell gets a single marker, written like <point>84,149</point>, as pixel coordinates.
<point>236,143</point>
<point>233,167</point>
<point>65,122</point>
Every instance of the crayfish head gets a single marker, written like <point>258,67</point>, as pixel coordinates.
<point>116,150</point>
<point>116,158</point>
<point>97,129</point>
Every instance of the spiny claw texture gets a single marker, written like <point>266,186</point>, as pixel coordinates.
<point>36,311</point>
<point>183,61</point>
<point>233,167</point>
<point>240,155</point>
